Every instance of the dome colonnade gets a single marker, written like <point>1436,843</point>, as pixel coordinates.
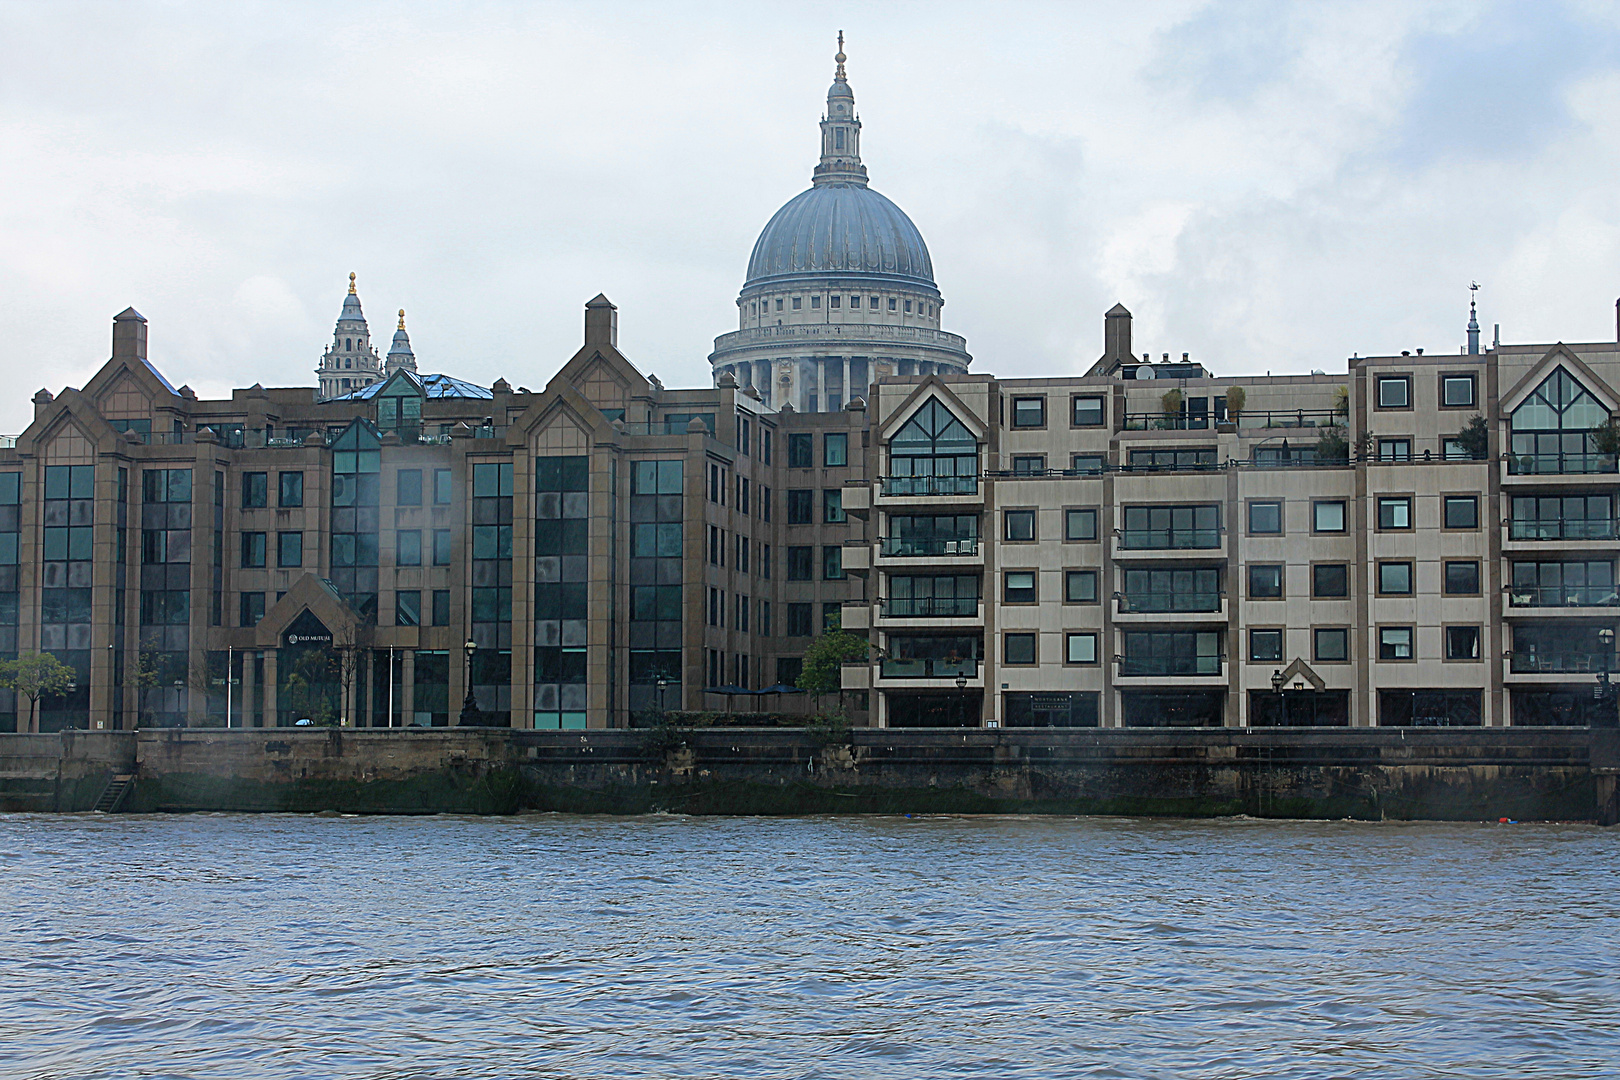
<point>840,288</point>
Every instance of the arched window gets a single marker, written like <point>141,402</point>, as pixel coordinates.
<point>1552,429</point>
<point>933,454</point>
<point>348,345</point>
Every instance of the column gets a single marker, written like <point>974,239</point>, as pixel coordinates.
<point>821,384</point>
<point>407,687</point>
<point>848,393</point>
<point>244,693</point>
<point>270,680</point>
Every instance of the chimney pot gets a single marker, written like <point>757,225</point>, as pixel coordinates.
<point>129,335</point>
<point>601,322</point>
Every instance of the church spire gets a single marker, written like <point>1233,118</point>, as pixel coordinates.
<point>840,132</point>
<point>1473,322</point>
<point>399,353</point>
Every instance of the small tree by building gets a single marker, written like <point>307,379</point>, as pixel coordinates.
<point>1236,399</point>
<point>824,663</point>
<point>1475,437</point>
<point>35,676</point>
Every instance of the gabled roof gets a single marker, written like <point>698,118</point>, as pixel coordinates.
<point>433,386</point>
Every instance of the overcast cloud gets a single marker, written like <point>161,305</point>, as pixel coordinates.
<point>1267,186</point>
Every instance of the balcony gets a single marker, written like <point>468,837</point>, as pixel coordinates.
<point>930,607</point>
<point>1561,529</point>
<point>855,615</point>
<point>908,547</point>
<point>1169,539</point>
<point>929,486</point>
<point>832,333</point>
<point>1561,663</point>
<point>1143,603</point>
<point>1573,464</point>
<point>929,669</point>
<point>856,676</point>
<point>1564,596</point>
<point>1169,666</point>
<point>857,557</point>
<point>857,498</point>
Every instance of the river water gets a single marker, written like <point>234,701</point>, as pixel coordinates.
<point>220,946</point>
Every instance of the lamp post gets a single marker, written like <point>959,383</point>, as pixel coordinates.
<point>661,684</point>
<point>1604,692</point>
<point>470,716</point>
<point>1276,688</point>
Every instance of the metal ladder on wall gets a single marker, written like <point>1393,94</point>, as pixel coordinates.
<point>113,796</point>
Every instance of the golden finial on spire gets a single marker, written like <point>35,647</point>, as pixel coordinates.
<point>402,318</point>
<point>840,57</point>
<point>351,283</point>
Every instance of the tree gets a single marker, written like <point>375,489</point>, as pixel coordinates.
<point>1331,445</point>
<point>1170,404</point>
<point>824,662</point>
<point>1606,439</point>
<point>35,676</point>
<point>1236,398</point>
<point>1475,437</point>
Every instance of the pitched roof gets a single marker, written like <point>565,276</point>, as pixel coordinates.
<point>434,386</point>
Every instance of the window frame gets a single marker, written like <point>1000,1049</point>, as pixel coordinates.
<point>263,553</point>
<point>1411,573</point>
<point>1479,643</point>
<point>1378,512</point>
<point>1076,574</point>
<point>1033,591</point>
<point>1462,376</point>
<point>1411,643</point>
<point>1007,518</point>
<point>1074,410</point>
<point>1040,400</point>
<point>1316,595</point>
<point>281,488</point>
<point>1445,511</point>
<point>1404,381</point>
<point>1282,575</point>
<point>828,441</point>
<point>1071,636</point>
<point>1069,513</point>
<point>1254,504</point>
<point>1445,577</point>
<point>1316,517</point>
<point>281,540</point>
<point>1281,639</point>
<point>1034,639</point>
<point>1316,644</point>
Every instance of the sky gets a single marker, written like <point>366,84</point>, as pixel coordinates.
<point>1267,186</point>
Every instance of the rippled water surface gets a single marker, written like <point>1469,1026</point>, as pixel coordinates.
<point>283,946</point>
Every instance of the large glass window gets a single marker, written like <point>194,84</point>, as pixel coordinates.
<point>1171,590</point>
<point>932,454</point>
<point>1575,583</point>
<point>1156,652</point>
<point>932,596</point>
<point>561,589</point>
<point>932,534</point>
<point>1553,429</point>
<point>1148,527</point>
<point>1563,517</point>
<point>399,406</point>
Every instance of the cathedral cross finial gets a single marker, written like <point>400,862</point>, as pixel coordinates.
<point>840,57</point>
<point>402,318</point>
<point>351,283</point>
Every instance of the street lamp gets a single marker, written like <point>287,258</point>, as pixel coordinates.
<point>1604,691</point>
<point>470,716</point>
<point>661,684</point>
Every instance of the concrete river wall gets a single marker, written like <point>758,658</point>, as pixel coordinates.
<point>1371,773</point>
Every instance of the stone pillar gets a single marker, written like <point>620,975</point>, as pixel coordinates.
<point>270,681</point>
<point>244,693</point>
<point>848,393</point>
<point>821,384</point>
<point>407,687</point>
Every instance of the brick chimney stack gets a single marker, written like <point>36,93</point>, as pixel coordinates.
<point>129,335</point>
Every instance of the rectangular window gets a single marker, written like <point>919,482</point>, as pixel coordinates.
<point>1394,449</point>
<point>1018,649</point>
<point>1394,392</point>
<point>798,620</point>
<point>765,446</point>
<point>891,303</point>
<point>835,449</point>
<point>1462,643</point>
<point>1395,512</point>
<point>441,547</point>
<point>1080,586</point>
<point>1462,511</point>
<point>835,302</point>
<point>832,562</point>
<point>289,549</point>
<point>441,607</point>
<point>441,487</point>
<point>1080,648</point>
<point>1462,578</point>
<point>765,618</point>
<point>1332,644</point>
<point>1395,643</point>
<point>1080,524</point>
<point>1265,581</point>
<point>1088,464</point>
<point>1265,518</point>
<point>765,560</point>
<point>799,562</point>
<point>1330,580</point>
<point>1018,587</point>
<point>1328,516</point>
<point>408,607</point>
<point>292,489</point>
<point>1029,412</point>
<point>255,490</point>
<point>252,608</point>
<point>799,506</point>
<point>408,548</point>
<point>799,451</point>
<point>408,489</point>
<point>253,549</point>
<point>1265,646</point>
<point>1457,391</point>
<point>797,303</point>
<point>1087,411</point>
<point>1019,524</point>
<point>1028,464</point>
<point>1395,578</point>
<point>1454,450</point>
<point>832,507</point>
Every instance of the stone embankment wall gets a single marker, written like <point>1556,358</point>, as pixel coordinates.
<point>1478,774</point>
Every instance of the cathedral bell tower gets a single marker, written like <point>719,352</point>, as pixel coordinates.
<point>840,132</point>
<point>350,362</point>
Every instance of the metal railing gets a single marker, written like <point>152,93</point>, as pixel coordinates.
<point>1560,464</point>
<point>908,546</point>
<point>1170,665</point>
<point>930,485</point>
<point>1163,602</point>
<point>1289,418</point>
<point>930,607</point>
<point>1169,539</point>
<point>1564,596</point>
<point>929,669</point>
<point>1561,529</point>
<point>1161,421</point>
<point>1562,663</point>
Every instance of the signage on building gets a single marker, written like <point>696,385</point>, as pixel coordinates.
<point>1050,702</point>
<point>306,631</point>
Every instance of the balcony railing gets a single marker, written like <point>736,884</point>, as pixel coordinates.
<point>1576,663</point>
<point>930,607</point>
<point>908,546</point>
<point>930,485</point>
<point>1582,529</point>
<point>1170,665</point>
<point>1560,464</point>
<point>1159,421</point>
<point>1289,418</point>
<point>929,669</point>
<point>1564,596</point>
<point>1169,539</point>
<point>1159,602</point>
